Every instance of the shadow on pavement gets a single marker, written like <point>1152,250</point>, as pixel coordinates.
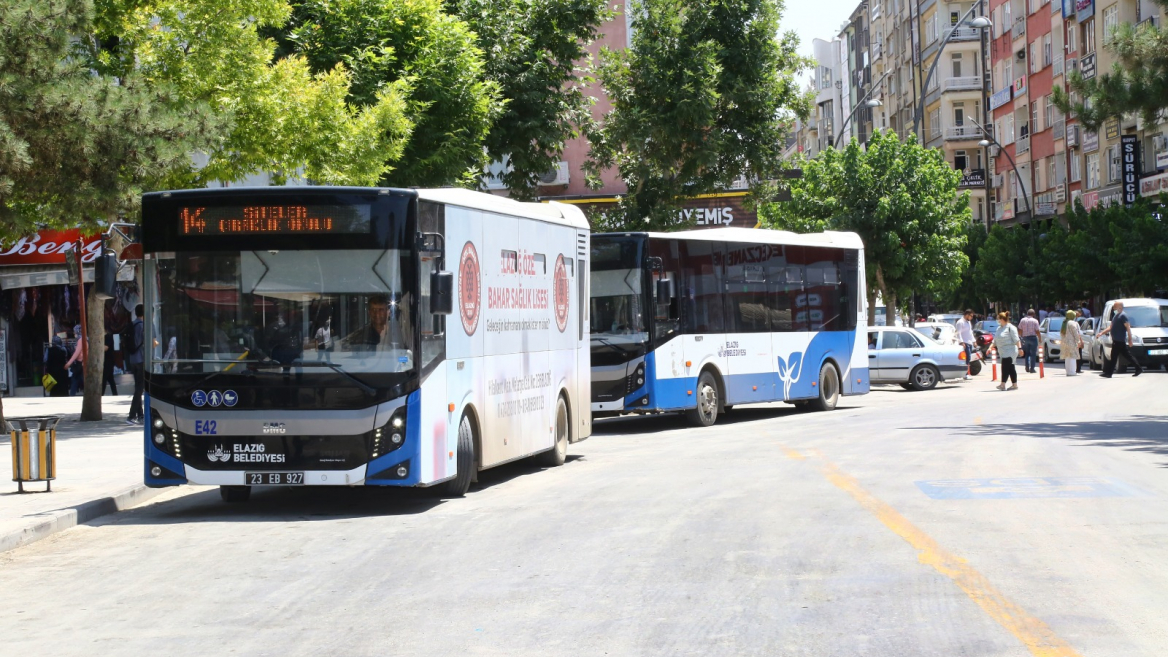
<point>895,388</point>
<point>313,502</point>
<point>631,425</point>
<point>1138,433</point>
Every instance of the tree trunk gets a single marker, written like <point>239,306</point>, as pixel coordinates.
<point>871,307</point>
<point>94,359</point>
<point>889,299</point>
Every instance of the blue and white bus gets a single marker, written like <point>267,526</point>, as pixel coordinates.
<point>354,336</point>
<point>702,320</point>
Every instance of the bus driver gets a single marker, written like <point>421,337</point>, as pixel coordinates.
<point>379,334</point>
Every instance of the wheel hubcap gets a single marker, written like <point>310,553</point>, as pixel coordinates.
<point>829,386</point>
<point>925,377</point>
<point>709,401</point>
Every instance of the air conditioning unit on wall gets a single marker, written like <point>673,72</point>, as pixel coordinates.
<point>559,175</point>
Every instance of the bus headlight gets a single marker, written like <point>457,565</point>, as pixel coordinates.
<point>159,438</point>
<point>390,436</point>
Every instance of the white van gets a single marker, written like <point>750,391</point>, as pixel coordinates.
<point>1149,322</point>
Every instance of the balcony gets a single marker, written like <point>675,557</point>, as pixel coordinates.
<point>958,132</point>
<point>1019,29</point>
<point>971,83</point>
<point>877,51</point>
<point>965,34</point>
<point>1022,145</point>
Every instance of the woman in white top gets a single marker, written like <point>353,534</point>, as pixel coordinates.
<point>1008,343</point>
<point>1072,342</point>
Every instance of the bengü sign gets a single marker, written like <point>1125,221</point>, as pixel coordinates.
<point>48,247</point>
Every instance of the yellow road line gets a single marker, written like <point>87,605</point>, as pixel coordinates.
<point>792,454</point>
<point>1033,633</point>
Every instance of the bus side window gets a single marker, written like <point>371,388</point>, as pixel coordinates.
<point>581,294</point>
<point>431,219</point>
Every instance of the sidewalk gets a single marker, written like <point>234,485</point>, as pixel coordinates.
<point>99,470</point>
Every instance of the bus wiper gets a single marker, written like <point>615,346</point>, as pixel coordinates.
<point>198,384</point>
<point>369,390</point>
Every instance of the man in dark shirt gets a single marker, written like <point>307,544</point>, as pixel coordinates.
<point>1121,341</point>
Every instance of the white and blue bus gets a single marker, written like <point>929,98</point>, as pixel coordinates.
<point>702,320</point>
<point>355,336</point>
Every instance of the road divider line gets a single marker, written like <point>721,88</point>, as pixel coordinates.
<point>1032,632</point>
<point>792,454</point>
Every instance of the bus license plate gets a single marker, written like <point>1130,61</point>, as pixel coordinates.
<point>274,478</point>
<point>1158,352</point>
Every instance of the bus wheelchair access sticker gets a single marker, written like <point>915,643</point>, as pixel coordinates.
<point>468,288</point>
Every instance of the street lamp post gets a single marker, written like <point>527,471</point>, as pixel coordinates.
<point>989,139</point>
<point>869,104</point>
<point>981,22</point>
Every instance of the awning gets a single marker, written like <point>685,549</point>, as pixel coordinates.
<point>16,277</point>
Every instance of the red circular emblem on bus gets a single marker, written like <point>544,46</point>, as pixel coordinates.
<point>562,294</point>
<point>469,289</point>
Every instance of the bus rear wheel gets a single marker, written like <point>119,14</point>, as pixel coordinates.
<point>465,459</point>
<point>829,389</point>
<point>235,494</point>
<point>559,452</point>
<point>706,412</point>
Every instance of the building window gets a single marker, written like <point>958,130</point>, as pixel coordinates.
<point>960,160</point>
<point>958,114</point>
<point>956,64</point>
<point>935,122</point>
<point>1051,172</point>
<point>1113,164</point>
<point>1035,54</point>
<point>1008,130</point>
<point>1048,105</point>
<point>1073,38</point>
<point>1088,36</point>
<point>1110,22</point>
<point>1076,167</point>
<point>1046,49</point>
<point>1092,170</point>
<point>1040,177</point>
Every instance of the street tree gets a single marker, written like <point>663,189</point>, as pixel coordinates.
<point>1003,272</point>
<point>102,100</point>
<point>535,51</point>
<point>901,198</point>
<point>699,99</point>
<point>1137,84</point>
<point>416,45</point>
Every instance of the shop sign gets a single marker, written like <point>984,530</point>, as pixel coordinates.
<point>54,277</point>
<point>4,361</point>
<point>1129,149</point>
<point>1060,193</point>
<point>1043,209</point>
<point>1090,141</point>
<point>1154,185</point>
<point>1087,66</point>
<point>1161,159</point>
<point>1111,129</point>
<point>1103,197</point>
<point>1020,86</point>
<point>973,178</point>
<point>48,247</point>
<point>1090,200</point>
<point>1084,9</point>
<point>1001,97</point>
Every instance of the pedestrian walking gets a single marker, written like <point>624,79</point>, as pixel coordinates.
<point>1028,329</point>
<point>1121,340</point>
<point>1007,342</point>
<point>55,357</point>
<point>965,334</point>
<point>133,352</point>
<point>74,365</point>
<point>1072,342</point>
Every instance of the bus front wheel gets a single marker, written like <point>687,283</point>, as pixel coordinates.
<point>234,494</point>
<point>829,389</point>
<point>458,486</point>
<point>706,412</point>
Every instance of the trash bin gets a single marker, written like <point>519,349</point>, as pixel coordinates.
<point>34,450</point>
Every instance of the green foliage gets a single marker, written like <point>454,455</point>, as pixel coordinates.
<point>698,101</point>
<point>967,294</point>
<point>399,45</point>
<point>1138,83</point>
<point>900,197</point>
<point>1109,251</point>
<point>532,51</point>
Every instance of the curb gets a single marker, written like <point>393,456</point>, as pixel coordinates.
<point>62,519</point>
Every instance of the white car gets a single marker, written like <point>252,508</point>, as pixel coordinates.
<point>1050,338</point>
<point>948,318</point>
<point>1149,322</point>
<point>939,331</point>
<point>915,361</point>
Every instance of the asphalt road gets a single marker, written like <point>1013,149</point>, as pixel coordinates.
<point>961,521</point>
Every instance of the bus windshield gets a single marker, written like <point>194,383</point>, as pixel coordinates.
<point>617,293</point>
<point>347,309</point>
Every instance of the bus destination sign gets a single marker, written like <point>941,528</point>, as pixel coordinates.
<point>274,219</point>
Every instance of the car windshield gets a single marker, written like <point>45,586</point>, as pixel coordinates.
<point>1056,324</point>
<point>936,333</point>
<point>346,308</point>
<point>1146,316</point>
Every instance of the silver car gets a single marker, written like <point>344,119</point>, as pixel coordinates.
<point>915,361</point>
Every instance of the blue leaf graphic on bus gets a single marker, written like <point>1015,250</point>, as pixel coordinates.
<point>789,372</point>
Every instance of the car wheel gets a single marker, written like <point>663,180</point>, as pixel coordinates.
<point>706,412</point>
<point>829,389</point>
<point>924,377</point>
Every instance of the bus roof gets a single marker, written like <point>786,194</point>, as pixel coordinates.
<point>556,213</point>
<point>829,238</point>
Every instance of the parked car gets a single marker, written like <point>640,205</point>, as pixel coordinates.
<point>939,331</point>
<point>913,360</point>
<point>1049,338</point>
<point>1089,327</point>
<point>948,318</point>
<point>1149,322</point>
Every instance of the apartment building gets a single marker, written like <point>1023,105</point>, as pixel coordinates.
<point>1047,160</point>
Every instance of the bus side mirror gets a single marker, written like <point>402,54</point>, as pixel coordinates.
<point>441,292</point>
<point>664,291</point>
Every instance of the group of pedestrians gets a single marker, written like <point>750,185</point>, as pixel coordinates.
<point>1021,342</point>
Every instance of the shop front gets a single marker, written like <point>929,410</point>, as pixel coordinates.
<point>37,303</point>
<point>724,209</point>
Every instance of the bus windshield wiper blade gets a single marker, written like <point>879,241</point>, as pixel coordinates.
<point>198,384</point>
<point>369,390</point>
